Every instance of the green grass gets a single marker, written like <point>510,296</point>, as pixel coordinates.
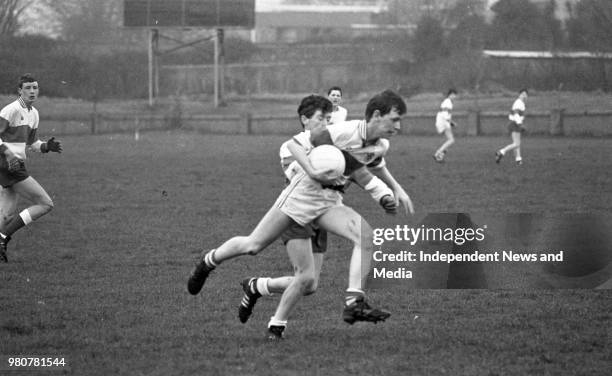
<point>101,280</point>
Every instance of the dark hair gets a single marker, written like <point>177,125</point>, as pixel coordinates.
<point>334,88</point>
<point>451,91</point>
<point>385,102</point>
<point>524,90</point>
<point>27,77</point>
<point>310,104</point>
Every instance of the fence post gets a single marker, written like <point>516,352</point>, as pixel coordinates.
<point>473,126</point>
<point>93,122</point>
<point>556,122</point>
<point>248,122</point>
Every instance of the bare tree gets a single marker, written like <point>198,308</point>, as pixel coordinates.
<point>87,19</point>
<point>10,10</point>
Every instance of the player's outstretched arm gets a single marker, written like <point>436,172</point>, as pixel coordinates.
<point>400,194</point>
<point>45,147</point>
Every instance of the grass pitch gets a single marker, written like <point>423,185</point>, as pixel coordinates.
<point>101,280</point>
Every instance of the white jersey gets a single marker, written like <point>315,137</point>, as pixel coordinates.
<point>305,199</point>
<point>338,115</point>
<point>288,163</point>
<point>518,111</point>
<point>444,116</point>
<point>349,136</point>
<point>18,125</point>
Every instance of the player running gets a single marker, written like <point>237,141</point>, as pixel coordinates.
<point>516,128</point>
<point>306,245</point>
<point>306,199</point>
<point>339,113</point>
<point>445,124</point>
<point>18,127</point>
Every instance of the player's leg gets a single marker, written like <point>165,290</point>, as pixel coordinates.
<point>8,206</point>
<point>516,140</point>
<point>267,230</point>
<point>298,240</point>
<point>345,222</point>
<point>256,287</point>
<point>303,280</point>
<point>30,190</point>
<point>501,152</point>
<point>450,139</point>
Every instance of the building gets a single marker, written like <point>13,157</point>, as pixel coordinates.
<point>291,21</point>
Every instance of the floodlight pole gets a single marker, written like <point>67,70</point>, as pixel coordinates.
<point>153,72</point>
<point>219,62</point>
<point>216,71</point>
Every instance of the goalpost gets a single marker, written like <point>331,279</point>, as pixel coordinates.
<point>217,15</point>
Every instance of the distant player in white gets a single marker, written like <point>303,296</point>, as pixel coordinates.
<point>444,124</point>
<point>516,127</point>
<point>339,113</point>
<point>18,126</point>
<point>310,197</point>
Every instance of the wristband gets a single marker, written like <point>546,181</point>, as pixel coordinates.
<point>377,189</point>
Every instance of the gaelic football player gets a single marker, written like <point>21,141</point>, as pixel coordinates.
<point>445,124</point>
<point>516,128</point>
<point>306,245</point>
<point>339,113</point>
<point>309,197</point>
<point>18,126</point>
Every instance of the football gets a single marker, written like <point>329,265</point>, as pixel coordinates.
<point>328,157</point>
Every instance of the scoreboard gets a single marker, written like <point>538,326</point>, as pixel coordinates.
<point>189,13</point>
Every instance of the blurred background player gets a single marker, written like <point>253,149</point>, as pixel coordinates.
<point>339,113</point>
<point>18,126</point>
<point>445,124</point>
<point>516,117</point>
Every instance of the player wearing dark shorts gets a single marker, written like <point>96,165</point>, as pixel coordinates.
<point>18,127</point>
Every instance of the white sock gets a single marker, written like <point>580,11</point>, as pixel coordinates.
<point>262,286</point>
<point>275,322</point>
<point>352,295</point>
<point>209,259</point>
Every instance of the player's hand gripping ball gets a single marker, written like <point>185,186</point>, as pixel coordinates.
<point>329,158</point>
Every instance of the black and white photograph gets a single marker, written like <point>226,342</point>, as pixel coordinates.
<point>306,187</point>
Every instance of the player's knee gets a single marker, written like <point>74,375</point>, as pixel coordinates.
<point>360,232</point>
<point>311,288</point>
<point>307,283</point>
<point>251,247</point>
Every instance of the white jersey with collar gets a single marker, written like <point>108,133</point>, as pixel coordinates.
<point>518,110</point>
<point>446,108</point>
<point>338,115</point>
<point>18,126</point>
<point>349,136</point>
<point>288,162</point>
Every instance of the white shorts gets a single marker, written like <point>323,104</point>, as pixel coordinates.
<point>442,122</point>
<point>304,199</point>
